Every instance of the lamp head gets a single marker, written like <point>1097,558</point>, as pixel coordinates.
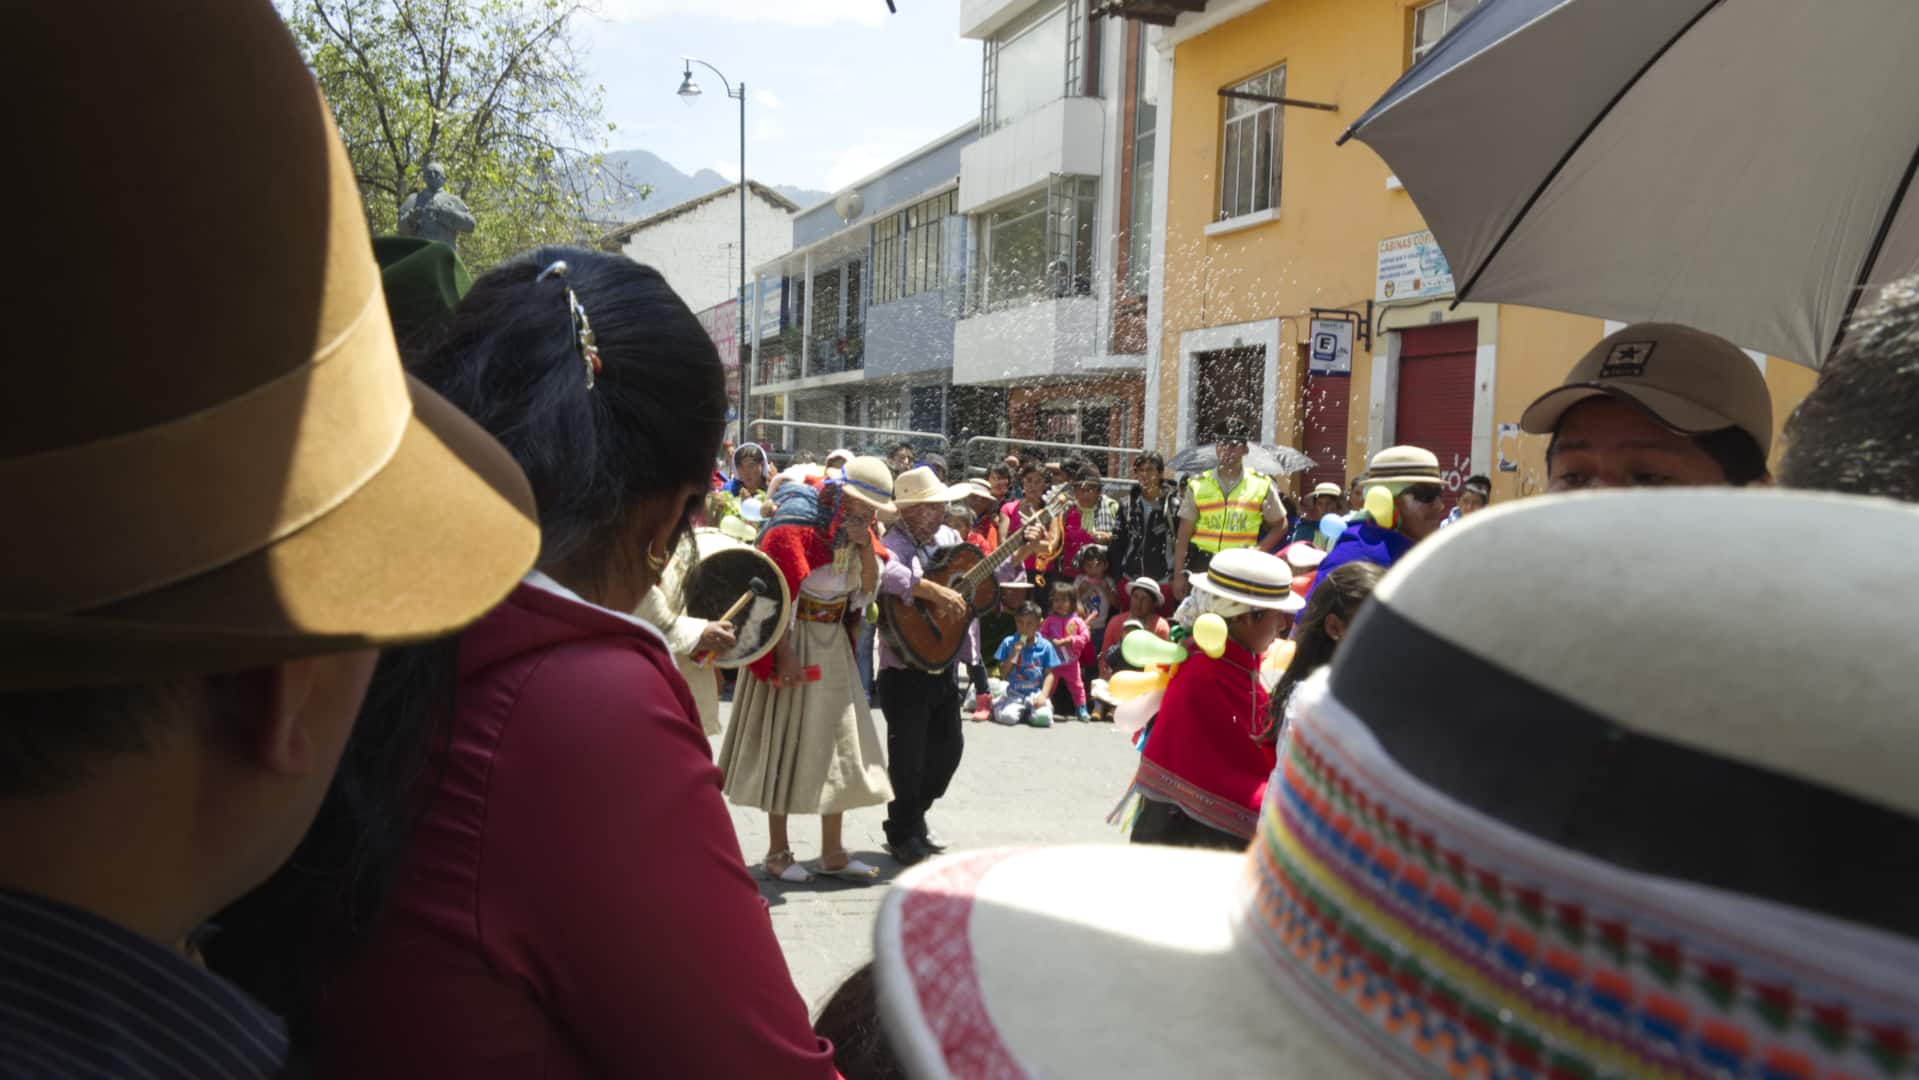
<point>689,90</point>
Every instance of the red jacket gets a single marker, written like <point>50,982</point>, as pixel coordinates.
<point>1202,753</point>
<point>573,902</point>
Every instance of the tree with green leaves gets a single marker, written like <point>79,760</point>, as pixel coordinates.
<point>493,90</point>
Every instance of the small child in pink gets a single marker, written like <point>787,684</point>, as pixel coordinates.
<point>1070,636</point>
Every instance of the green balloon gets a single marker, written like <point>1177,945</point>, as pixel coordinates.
<point>1142,648</point>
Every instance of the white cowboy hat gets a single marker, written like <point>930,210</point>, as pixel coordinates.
<point>921,485</point>
<point>869,480</point>
<point>1547,870</point>
<point>1251,577</point>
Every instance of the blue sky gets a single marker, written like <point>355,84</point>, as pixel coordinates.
<point>835,88</point>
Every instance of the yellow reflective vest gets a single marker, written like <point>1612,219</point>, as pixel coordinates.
<point>1227,519</point>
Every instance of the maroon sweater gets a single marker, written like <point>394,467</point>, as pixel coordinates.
<point>574,902</point>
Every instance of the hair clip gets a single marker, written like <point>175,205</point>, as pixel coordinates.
<point>585,340</point>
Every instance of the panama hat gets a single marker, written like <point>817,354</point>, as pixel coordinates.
<point>1403,466</point>
<point>1149,586</point>
<point>221,465</point>
<point>1690,381</point>
<point>920,485</point>
<point>1249,576</point>
<point>867,479</point>
<point>1327,489</point>
<point>973,489</point>
<point>1549,871</point>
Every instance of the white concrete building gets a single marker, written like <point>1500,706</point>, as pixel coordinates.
<point>696,244</point>
<point>1055,305</point>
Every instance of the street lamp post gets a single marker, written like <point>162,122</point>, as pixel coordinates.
<point>689,93</point>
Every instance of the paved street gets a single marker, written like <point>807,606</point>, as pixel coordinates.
<point>1015,786</point>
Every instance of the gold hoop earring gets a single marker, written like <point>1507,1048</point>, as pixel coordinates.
<point>656,563</point>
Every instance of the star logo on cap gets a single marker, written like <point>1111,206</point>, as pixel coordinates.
<point>1626,358</point>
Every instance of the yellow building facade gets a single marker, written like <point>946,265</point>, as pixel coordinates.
<point>1249,250</point>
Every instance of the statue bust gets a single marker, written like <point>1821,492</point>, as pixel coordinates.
<point>435,214</point>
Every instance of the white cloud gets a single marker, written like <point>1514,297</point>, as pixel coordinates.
<point>764,12</point>
<point>766,99</point>
<point>862,159</point>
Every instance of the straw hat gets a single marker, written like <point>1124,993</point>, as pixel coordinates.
<point>1251,577</point>
<point>1690,381</point>
<point>867,479</point>
<point>1403,466</point>
<point>222,465</point>
<point>974,489</point>
<point>921,485</point>
<point>1703,869</point>
<point>1328,489</point>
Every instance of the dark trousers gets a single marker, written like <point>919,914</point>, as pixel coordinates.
<point>923,744</point>
<point>976,673</point>
<point>1164,823</point>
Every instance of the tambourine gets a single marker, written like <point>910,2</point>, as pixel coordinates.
<point>726,573</point>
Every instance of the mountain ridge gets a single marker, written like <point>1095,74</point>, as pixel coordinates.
<point>613,198</point>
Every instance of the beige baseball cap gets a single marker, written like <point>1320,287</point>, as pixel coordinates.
<point>1690,381</point>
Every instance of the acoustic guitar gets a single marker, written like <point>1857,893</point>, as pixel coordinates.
<point>928,641</point>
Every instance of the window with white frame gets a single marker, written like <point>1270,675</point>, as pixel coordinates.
<point>1250,147</point>
<point>1434,21</point>
<point>1039,247</point>
<point>1031,63</point>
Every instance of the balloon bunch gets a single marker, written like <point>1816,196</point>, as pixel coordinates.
<point>1139,692</point>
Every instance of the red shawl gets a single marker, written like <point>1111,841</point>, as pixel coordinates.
<point>798,550</point>
<point>1202,753</point>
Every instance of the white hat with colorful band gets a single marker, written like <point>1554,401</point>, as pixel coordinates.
<point>1553,871</point>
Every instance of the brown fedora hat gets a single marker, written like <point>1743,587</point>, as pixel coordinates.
<point>210,458</point>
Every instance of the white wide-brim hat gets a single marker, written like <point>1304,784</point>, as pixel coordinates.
<point>867,479</point>
<point>921,485</point>
<point>1550,870</point>
<point>1252,577</point>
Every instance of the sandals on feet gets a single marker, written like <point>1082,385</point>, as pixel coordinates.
<point>791,873</point>
<point>854,870</point>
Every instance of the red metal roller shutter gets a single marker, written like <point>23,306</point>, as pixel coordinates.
<point>1328,398</point>
<point>1435,408</point>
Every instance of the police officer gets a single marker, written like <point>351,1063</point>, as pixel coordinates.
<point>1224,508</point>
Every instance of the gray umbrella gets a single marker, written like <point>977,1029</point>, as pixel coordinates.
<point>1737,165</point>
<point>1269,458</point>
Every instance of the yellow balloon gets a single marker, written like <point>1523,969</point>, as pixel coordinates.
<point>1209,633</point>
<point>1127,685</point>
<point>1379,506</point>
<point>1279,657</point>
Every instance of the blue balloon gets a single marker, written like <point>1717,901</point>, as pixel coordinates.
<point>1331,526</point>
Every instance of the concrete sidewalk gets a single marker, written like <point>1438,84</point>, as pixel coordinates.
<point>1015,786</point>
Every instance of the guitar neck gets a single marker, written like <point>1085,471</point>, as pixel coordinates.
<point>991,564</point>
